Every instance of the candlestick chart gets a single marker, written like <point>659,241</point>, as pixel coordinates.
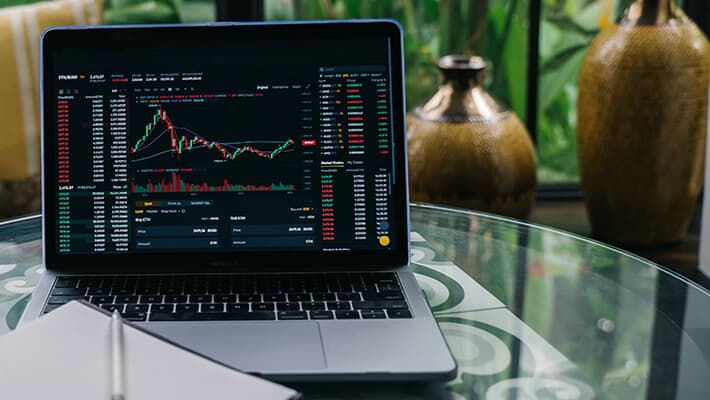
<point>217,153</point>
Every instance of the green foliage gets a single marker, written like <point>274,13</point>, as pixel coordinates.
<point>10,3</point>
<point>158,11</point>
<point>567,29</point>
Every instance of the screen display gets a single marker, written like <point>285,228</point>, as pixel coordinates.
<point>223,146</point>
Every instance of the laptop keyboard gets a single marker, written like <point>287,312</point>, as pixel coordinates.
<point>239,297</point>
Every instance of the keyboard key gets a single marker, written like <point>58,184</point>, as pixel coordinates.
<point>162,308</point>
<point>237,307</point>
<point>113,307</point>
<point>127,299</point>
<point>102,299</point>
<point>288,306</point>
<point>371,314</point>
<point>59,291</point>
<point>389,287</point>
<point>291,315</point>
<point>220,290</point>
<point>98,282</point>
<point>201,298</point>
<point>346,296</point>
<point>84,282</point>
<point>399,314</point>
<point>147,291</point>
<point>323,296</point>
<point>151,299</point>
<point>275,297</point>
<point>63,299</point>
<point>249,298</point>
<point>136,308</point>
<point>187,307</point>
<point>225,298</point>
<point>299,297</point>
<point>383,296</point>
<point>364,287</point>
<point>135,317</point>
<point>321,314</point>
<point>313,306</point>
<point>123,291</point>
<point>196,290</point>
<point>347,315</point>
<point>66,282</point>
<point>340,280</point>
<point>171,291</point>
<point>339,305</point>
<point>244,290</point>
<point>292,288</point>
<point>176,299</point>
<point>114,281</point>
<point>266,285</point>
<point>99,291</point>
<point>262,307</point>
<point>384,277</point>
<point>212,307</point>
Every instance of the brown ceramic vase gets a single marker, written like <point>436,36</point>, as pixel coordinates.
<point>465,150</point>
<point>642,115</point>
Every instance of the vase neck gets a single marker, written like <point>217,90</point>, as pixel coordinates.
<point>461,97</point>
<point>653,13</point>
<point>462,80</point>
<point>462,72</point>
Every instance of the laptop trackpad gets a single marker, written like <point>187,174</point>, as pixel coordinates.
<point>251,347</point>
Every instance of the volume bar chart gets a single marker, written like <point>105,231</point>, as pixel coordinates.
<point>176,185</point>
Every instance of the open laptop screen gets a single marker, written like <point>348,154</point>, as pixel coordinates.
<point>223,139</point>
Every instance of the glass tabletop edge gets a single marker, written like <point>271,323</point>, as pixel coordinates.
<point>659,267</point>
<point>20,218</point>
<point>464,211</point>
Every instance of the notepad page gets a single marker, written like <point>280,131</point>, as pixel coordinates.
<point>66,354</point>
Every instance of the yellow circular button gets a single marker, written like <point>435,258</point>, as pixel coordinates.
<point>384,240</point>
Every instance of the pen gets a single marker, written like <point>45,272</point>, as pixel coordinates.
<point>117,357</point>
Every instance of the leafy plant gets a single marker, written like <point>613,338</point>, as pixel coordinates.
<point>158,11</point>
<point>10,3</point>
<point>567,29</point>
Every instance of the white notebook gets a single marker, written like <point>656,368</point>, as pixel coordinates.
<point>66,355</point>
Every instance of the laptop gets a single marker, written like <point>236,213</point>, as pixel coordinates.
<point>239,189</point>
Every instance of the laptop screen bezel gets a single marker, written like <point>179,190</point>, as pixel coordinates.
<point>63,37</point>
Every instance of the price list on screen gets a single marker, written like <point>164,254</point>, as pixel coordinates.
<point>355,142</point>
<point>93,202</point>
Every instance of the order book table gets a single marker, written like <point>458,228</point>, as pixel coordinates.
<point>529,312</point>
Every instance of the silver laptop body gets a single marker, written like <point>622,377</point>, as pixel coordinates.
<point>141,219</point>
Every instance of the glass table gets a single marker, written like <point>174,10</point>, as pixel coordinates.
<point>529,313</point>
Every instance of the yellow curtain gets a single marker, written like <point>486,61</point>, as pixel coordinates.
<point>20,31</point>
